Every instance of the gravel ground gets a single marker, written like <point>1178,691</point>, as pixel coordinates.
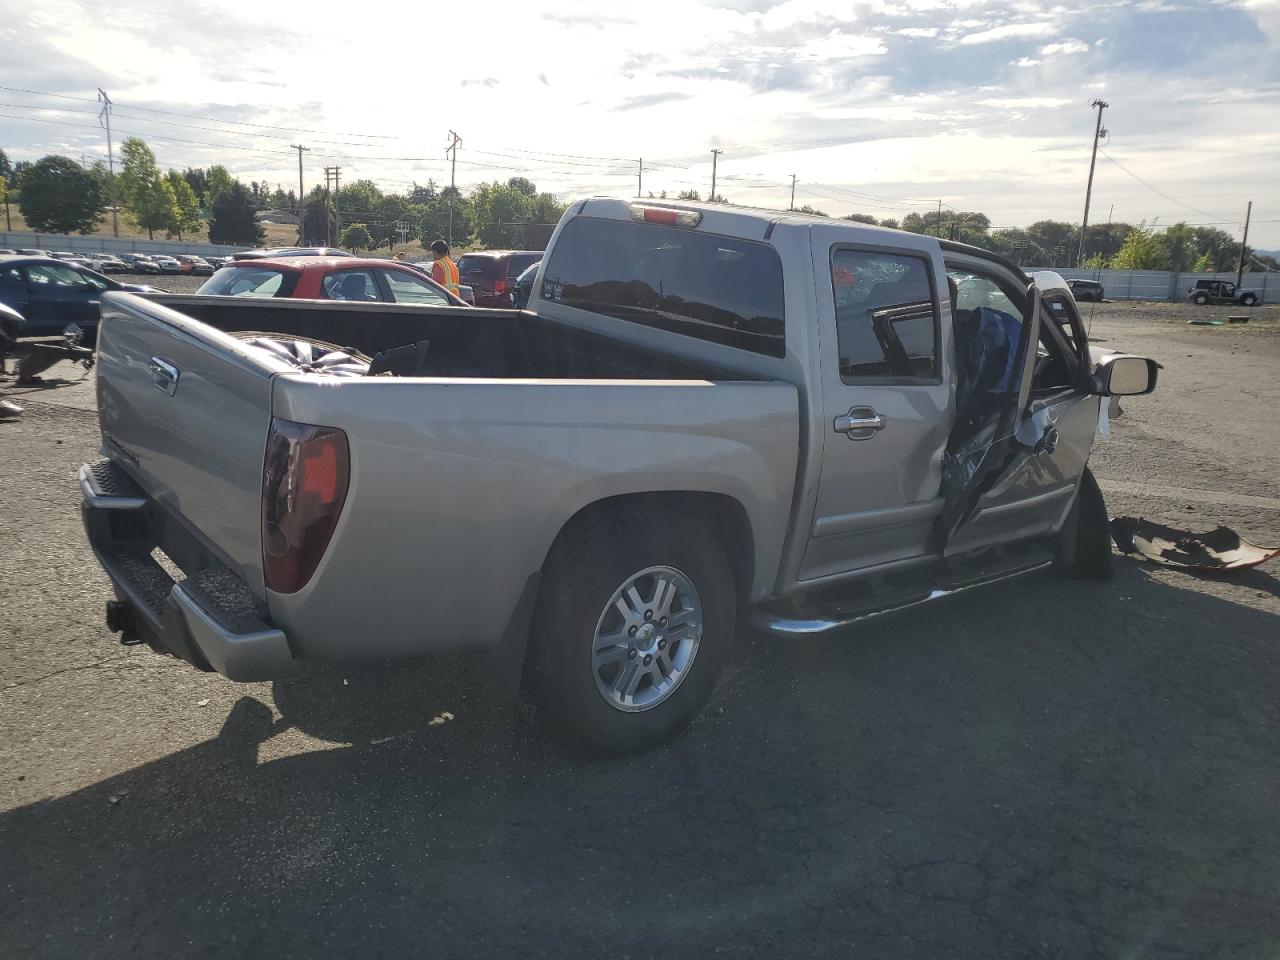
<point>1052,768</point>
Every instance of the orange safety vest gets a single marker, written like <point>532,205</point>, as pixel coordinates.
<point>445,272</point>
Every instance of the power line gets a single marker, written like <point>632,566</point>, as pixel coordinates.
<point>1155,189</point>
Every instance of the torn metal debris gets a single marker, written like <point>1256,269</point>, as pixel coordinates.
<point>1219,549</point>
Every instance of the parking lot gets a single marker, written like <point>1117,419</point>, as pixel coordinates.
<point>1051,768</point>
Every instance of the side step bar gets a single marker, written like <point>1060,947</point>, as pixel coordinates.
<point>819,619</point>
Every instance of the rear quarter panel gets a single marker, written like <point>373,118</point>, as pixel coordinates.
<point>459,488</point>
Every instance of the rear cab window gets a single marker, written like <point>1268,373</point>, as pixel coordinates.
<point>263,282</point>
<point>724,290</point>
<point>887,317</point>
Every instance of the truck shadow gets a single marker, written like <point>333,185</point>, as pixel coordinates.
<point>1091,769</point>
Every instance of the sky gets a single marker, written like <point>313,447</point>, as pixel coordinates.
<point>876,107</point>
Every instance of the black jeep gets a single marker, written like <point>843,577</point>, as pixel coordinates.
<point>1221,291</point>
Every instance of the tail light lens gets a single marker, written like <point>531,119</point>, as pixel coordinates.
<point>304,485</point>
<point>499,286</point>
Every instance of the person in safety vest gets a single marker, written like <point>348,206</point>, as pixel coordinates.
<point>444,271</point>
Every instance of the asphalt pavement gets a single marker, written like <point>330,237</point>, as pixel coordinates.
<point>1052,768</point>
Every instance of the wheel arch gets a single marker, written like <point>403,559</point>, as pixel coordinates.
<point>724,515</point>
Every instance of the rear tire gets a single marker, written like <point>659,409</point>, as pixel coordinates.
<point>1200,300</point>
<point>1248,300</point>
<point>584,652</point>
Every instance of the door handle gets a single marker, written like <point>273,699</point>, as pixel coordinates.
<point>860,423</point>
<point>164,375</point>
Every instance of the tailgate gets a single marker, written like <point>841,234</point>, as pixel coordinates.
<point>185,410</point>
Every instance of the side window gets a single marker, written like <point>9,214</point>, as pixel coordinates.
<point>518,265</point>
<point>886,315</point>
<point>57,275</point>
<point>356,286</point>
<point>406,288</point>
<point>11,275</point>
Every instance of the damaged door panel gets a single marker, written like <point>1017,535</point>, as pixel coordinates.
<point>1034,486</point>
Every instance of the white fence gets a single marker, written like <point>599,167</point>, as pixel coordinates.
<point>12,240</point>
<point>1163,284</point>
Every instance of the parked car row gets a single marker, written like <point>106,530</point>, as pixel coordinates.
<point>152,263</point>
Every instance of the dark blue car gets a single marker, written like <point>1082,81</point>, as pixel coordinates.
<point>50,295</point>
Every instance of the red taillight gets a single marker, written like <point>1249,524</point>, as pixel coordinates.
<point>665,215</point>
<point>304,485</point>
<point>499,286</point>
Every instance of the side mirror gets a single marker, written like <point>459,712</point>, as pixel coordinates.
<point>1125,377</point>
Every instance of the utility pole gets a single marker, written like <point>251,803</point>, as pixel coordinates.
<point>1243,242</point>
<point>402,228</point>
<point>939,218</point>
<point>299,147</point>
<point>714,154</point>
<point>452,150</point>
<point>1088,190</point>
<point>331,177</point>
<point>793,192</point>
<point>104,118</point>
<point>640,180</point>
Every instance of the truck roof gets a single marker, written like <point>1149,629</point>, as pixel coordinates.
<point>772,218</point>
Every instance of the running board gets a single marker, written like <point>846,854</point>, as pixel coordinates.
<point>817,619</point>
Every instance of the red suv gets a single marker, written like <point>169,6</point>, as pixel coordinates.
<point>328,278</point>
<point>492,273</point>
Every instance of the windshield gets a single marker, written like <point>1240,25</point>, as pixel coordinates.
<point>250,281</point>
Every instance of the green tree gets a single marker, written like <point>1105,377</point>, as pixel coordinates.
<point>358,200</point>
<point>1178,243</point>
<point>1018,245</point>
<point>186,206</point>
<point>217,182</point>
<point>811,211</point>
<point>58,196</point>
<point>232,218</point>
<point>6,168</point>
<point>1219,244</point>
<point>280,200</point>
<point>860,218</point>
<point>688,195</point>
<point>198,180</point>
<point>1142,250</point>
<point>1057,239</point>
<point>435,218</point>
<point>356,237</point>
<point>318,222</point>
<point>890,222</point>
<point>500,214</point>
<point>1204,264</point>
<point>148,195</point>
<point>523,185</point>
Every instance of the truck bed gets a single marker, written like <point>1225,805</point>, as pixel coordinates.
<point>463,342</point>
<point>460,480</point>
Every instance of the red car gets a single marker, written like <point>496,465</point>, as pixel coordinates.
<point>492,273</point>
<point>350,279</point>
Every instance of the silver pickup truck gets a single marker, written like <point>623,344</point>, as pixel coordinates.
<point>705,412</point>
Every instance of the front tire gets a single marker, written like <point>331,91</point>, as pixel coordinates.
<point>1084,544</point>
<point>1200,300</point>
<point>1249,300</point>
<point>632,629</point>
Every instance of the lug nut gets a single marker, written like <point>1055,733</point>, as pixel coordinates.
<point>662,644</point>
<point>648,615</point>
<point>631,654</point>
<point>631,631</point>
<point>662,622</point>
<point>648,659</point>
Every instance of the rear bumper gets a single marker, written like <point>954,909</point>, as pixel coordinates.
<point>206,615</point>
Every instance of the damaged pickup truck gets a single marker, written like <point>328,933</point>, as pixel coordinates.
<point>706,412</point>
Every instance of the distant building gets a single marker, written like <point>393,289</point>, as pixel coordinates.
<point>276,216</point>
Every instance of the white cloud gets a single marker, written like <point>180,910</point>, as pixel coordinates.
<point>1026,62</point>
<point>1011,31</point>
<point>838,45</point>
<point>924,32</point>
<point>1064,47</point>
